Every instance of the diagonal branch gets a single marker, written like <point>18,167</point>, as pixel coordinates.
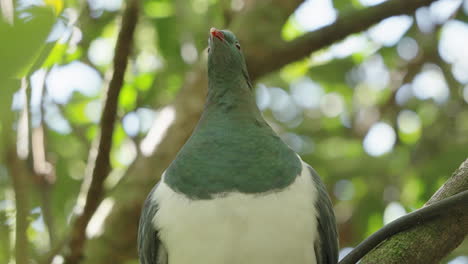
<point>346,24</point>
<point>20,184</point>
<point>102,162</point>
<point>429,242</point>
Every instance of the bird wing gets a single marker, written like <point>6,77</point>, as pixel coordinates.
<point>150,248</point>
<point>326,246</point>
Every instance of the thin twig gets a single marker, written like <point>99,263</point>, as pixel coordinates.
<point>102,162</point>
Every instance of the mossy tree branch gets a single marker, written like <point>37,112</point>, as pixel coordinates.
<point>431,241</point>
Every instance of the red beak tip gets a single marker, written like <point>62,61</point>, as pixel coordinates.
<point>217,33</point>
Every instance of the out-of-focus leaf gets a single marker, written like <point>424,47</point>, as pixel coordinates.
<point>23,42</point>
<point>409,138</point>
<point>144,81</point>
<point>412,190</point>
<point>346,5</point>
<point>91,132</point>
<point>174,82</point>
<point>56,55</point>
<point>158,9</point>
<point>390,56</point>
<point>168,41</point>
<point>119,135</point>
<point>127,97</point>
<point>295,70</point>
<point>291,30</point>
<point>76,112</point>
<point>75,55</point>
<point>57,5</point>
<point>374,223</point>
<point>334,71</point>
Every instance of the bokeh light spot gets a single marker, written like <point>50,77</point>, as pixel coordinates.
<point>313,14</point>
<point>390,30</point>
<point>431,84</point>
<point>393,211</point>
<point>379,139</point>
<point>407,48</point>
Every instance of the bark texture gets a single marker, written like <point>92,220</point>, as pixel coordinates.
<point>431,241</point>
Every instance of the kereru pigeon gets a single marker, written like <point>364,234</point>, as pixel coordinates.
<point>235,193</point>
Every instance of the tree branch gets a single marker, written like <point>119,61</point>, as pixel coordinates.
<point>345,25</point>
<point>20,186</point>
<point>102,162</point>
<point>430,241</point>
<point>410,220</point>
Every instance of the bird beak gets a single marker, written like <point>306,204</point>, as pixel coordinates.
<point>216,34</point>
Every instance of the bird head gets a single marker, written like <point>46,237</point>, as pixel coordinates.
<point>225,57</point>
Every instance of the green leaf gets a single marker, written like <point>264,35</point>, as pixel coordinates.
<point>56,55</point>
<point>291,29</point>
<point>158,9</point>
<point>334,71</point>
<point>144,81</point>
<point>23,42</point>
<point>127,97</point>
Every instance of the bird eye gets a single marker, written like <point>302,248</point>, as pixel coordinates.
<point>238,45</point>
<point>208,49</point>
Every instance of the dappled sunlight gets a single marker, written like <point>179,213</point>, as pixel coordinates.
<point>300,144</point>
<point>93,111</point>
<point>409,126</point>
<point>343,211</point>
<point>407,48</point>
<point>262,97</point>
<point>189,52</point>
<point>162,121</point>
<point>307,93</point>
<point>453,48</point>
<point>95,226</point>
<point>131,124</point>
<point>105,5</point>
<point>101,51</point>
<point>62,81</point>
<point>404,94</point>
<point>379,140</point>
<point>460,259</point>
<point>313,14</point>
<point>332,105</point>
<point>389,31</point>
<point>443,9</point>
<point>374,73</point>
<point>344,251</point>
<point>431,84</point>
<point>393,211</point>
<point>344,190</point>
<point>55,120</point>
<point>126,153</point>
<point>350,45</point>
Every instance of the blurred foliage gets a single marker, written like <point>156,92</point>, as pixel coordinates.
<point>324,106</point>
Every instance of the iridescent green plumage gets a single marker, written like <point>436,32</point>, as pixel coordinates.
<point>232,148</point>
